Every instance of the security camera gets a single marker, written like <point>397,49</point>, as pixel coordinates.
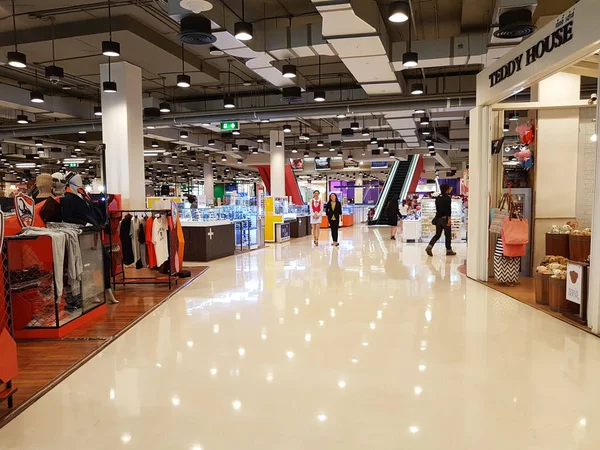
<point>593,99</point>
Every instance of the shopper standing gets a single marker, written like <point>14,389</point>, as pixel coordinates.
<point>316,214</point>
<point>403,213</point>
<point>333,209</point>
<point>442,220</point>
<point>392,216</point>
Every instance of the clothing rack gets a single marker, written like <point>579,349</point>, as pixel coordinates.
<point>169,279</point>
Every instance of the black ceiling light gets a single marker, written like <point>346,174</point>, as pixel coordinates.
<point>354,126</point>
<point>236,132</point>
<point>184,134</point>
<point>260,139</point>
<point>183,80</point>
<point>373,140</point>
<point>278,144</point>
<point>287,128</point>
<point>39,143</point>
<point>417,89</point>
<point>36,97</point>
<point>77,148</point>
<point>243,30</point>
<point>380,145</point>
<point>365,132</point>
<point>431,146</point>
<point>109,86</point>
<point>392,155</point>
<point>386,151</point>
<point>211,142</point>
<point>214,51</point>
<point>340,153</point>
<point>506,127</point>
<point>16,59</point>
<point>289,71</point>
<point>320,144</point>
<point>154,144</point>
<point>409,58</point>
<point>110,48</point>
<point>419,111</point>
<point>306,154</point>
<point>22,119</point>
<point>426,132</point>
<point>82,140</point>
<point>319,96</point>
<point>223,158</point>
<point>164,107</point>
<point>295,150</point>
<point>424,121</point>
<point>398,12</point>
<point>255,151</point>
<point>513,117</point>
<point>228,102</point>
<point>234,146</point>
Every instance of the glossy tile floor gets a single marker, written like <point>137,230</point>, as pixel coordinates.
<point>371,345</point>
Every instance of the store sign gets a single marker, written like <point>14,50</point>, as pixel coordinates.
<point>562,34</point>
<point>25,210</point>
<point>285,231</point>
<point>574,283</point>
<point>230,126</point>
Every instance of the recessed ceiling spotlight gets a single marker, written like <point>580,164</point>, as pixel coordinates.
<point>214,51</point>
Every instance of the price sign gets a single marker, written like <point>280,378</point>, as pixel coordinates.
<point>230,126</point>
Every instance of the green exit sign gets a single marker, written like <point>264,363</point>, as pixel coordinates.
<point>230,126</point>
<point>73,165</point>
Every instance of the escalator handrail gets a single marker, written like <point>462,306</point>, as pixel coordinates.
<point>409,176</point>
<point>386,190</point>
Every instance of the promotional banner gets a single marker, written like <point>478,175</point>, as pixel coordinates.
<point>25,209</point>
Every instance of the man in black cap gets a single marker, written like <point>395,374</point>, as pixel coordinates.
<point>442,221</point>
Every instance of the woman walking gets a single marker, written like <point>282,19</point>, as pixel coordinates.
<point>392,216</point>
<point>333,209</point>
<point>316,214</point>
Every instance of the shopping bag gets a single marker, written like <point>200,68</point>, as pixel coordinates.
<point>500,213</point>
<point>512,250</point>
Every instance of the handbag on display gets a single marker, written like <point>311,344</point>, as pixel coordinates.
<point>500,214</point>
<point>515,231</point>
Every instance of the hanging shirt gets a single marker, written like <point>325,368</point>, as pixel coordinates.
<point>126,244</point>
<point>150,244</point>
<point>160,239</point>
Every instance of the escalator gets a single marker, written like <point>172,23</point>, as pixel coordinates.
<point>398,184</point>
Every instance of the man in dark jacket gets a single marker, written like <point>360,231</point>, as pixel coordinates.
<point>442,220</point>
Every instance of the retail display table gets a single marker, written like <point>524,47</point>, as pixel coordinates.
<point>347,221</point>
<point>411,230</point>
<point>205,241</point>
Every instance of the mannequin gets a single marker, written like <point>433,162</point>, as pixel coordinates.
<point>78,208</point>
<point>58,184</point>
<point>44,184</point>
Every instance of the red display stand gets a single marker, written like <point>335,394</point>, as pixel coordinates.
<point>347,221</point>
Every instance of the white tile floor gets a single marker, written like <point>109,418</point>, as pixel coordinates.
<point>371,345</point>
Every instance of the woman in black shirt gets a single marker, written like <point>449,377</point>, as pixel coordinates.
<point>442,221</point>
<point>333,209</point>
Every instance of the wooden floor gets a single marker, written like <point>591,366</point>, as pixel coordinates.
<point>525,293</point>
<point>43,363</point>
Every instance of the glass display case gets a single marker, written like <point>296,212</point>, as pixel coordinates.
<point>42,293</point>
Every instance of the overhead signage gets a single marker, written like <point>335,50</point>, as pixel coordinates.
<point>230,126</point>
<point>562,34</point>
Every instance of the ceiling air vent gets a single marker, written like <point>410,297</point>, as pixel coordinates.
<point>195,30</point>
<point>514,24</point>
<point>292,95</point>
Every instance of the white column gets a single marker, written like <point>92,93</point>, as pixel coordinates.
<point>277,163</point>
<point>358,191</point>
<point>594,279</point>
<point>479,189</point>
<point>209,184</point>
<point>122,133</point>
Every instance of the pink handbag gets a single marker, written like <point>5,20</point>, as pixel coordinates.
<point>515,231</point>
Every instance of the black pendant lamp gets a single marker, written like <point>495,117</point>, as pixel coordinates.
<point>109,86</point>
<point>243,30</point>
<point>110,48</point>
<point>183,80</point>
<point>22,119</point>
<point>228,101</point>
<point>398,12</point>
<point>319,95</point>
<point>36,96</point>
<point>16,59</point>
<point>289,71</point>
<point>410,59</point>
<point>417,89</point>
